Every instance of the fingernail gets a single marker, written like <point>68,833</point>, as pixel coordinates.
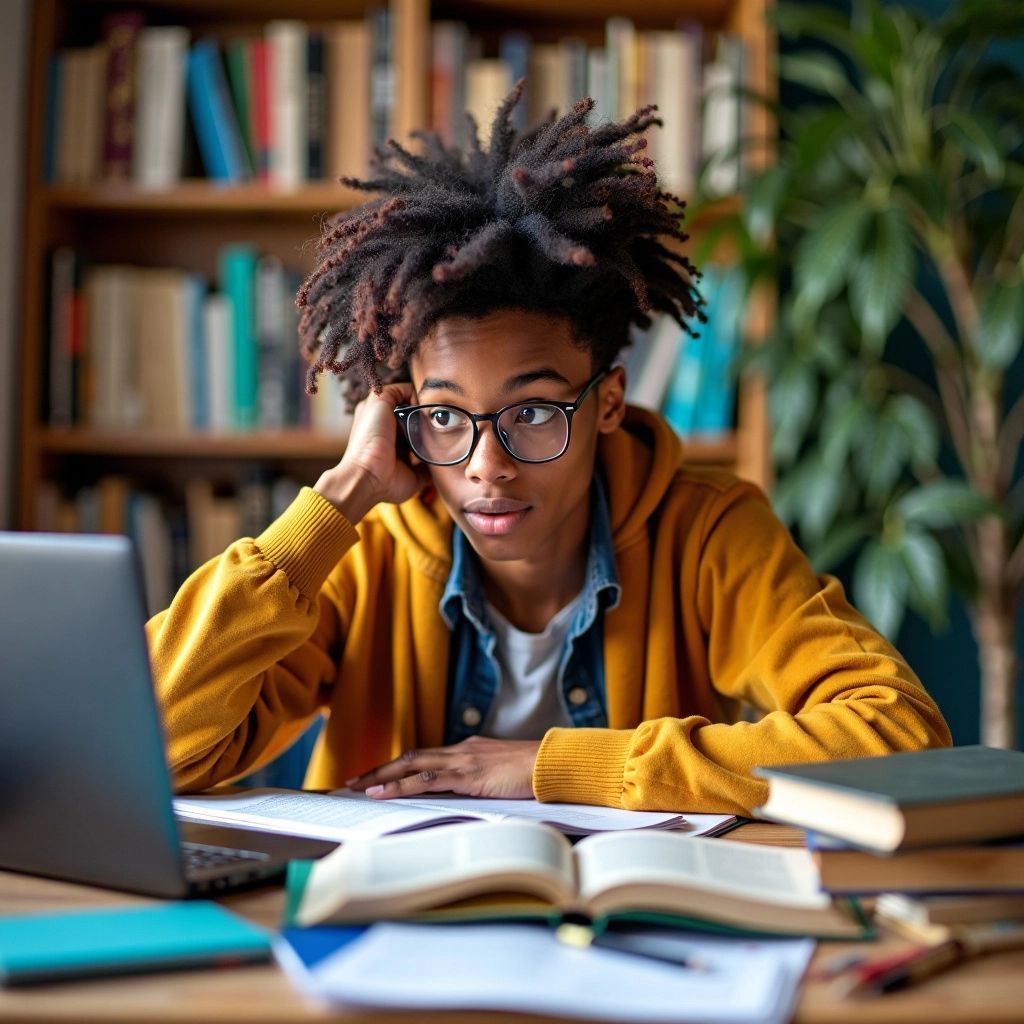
<point>352,781</point>
<point>374,790</point>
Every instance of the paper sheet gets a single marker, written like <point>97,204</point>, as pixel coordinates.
<point>525,968</point>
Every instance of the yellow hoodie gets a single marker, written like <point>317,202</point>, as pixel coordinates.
<point>718,608</point>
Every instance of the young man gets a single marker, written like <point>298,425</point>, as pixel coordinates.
<point>511,584</point>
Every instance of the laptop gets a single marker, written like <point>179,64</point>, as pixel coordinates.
<point>85,792</point>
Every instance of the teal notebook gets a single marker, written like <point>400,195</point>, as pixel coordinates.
<point>54,946</point>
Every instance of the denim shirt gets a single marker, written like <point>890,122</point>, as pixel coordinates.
<point>474,676</point>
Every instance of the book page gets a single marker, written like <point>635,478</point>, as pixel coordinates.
<point>767,874</point>
<point>400,874</point>
<point>573,819</point>
<point>315,815</point>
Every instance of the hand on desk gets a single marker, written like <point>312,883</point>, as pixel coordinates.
<point>475,767</point>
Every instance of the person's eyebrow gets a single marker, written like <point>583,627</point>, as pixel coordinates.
<point>513,384</point>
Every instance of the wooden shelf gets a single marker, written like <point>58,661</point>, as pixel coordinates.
<point>285,444</point>
<point>200,196</point>
<point>203,197</point>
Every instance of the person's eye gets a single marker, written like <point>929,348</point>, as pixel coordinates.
<point>442,418</point>
<point>534,415</point>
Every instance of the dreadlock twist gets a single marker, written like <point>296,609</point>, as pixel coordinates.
<point>564,219</point>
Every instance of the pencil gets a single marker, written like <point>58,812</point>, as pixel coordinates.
<point>923,964</point>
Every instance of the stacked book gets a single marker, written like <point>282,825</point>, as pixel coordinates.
<point>937,835</point>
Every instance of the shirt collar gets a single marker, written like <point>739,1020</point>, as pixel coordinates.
<point>463,593</point>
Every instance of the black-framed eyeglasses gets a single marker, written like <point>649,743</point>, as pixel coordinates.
<point>536,431</point>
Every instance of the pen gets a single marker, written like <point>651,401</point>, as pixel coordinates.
<point>924,964</point>
<point>583,937</point>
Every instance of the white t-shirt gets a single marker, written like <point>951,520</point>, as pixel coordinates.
<point>528,701</point>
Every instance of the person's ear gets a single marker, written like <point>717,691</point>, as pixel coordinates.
<point>611,398</point>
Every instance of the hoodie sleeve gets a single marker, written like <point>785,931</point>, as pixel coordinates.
<point>243,655</point>
<point>778,637</point>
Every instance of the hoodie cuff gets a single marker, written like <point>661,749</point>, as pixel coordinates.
<point>307,541</point>
<point>582,766</point>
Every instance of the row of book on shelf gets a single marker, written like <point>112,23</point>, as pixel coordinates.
<point>151,348</point>
<point>171,537</point>
<point>936,835</point>
<point>161,349</point>
<point>690,376</point>
<point>299,101</point>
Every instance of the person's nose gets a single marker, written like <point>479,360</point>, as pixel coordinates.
<point>489,460</point>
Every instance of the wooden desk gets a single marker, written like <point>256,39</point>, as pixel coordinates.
<point>984,991</point>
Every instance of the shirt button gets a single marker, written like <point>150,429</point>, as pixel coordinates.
<point>471,717</point>
<point>577,696</point>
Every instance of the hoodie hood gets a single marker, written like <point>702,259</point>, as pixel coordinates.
<point>639,462</point>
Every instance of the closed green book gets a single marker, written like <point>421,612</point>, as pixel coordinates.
<point>238,283</point>
<point>64,945</point>
<point>900,801</point>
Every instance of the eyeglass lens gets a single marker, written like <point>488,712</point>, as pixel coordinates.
<point>532,432</point>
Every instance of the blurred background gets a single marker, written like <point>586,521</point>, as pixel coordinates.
<point>852,173</point>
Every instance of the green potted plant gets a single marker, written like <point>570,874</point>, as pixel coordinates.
<point>892,223</point>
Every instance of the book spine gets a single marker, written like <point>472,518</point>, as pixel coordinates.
<point>218,336</point>
<point>717,395</point>
<point>237,60</point>
<point>316,106</point>
<point>514,49</point>
<point>237,281</point>
<point>212,115</point>
<point>287,42</point>
<point>198,383</point>
<point>350,99</point>
<point>382,75</point>
<point>270,336</point>
<point>60,378</point>
<point>410,57</point>
<point>51,133</point>
<point>261,112</point>
<point>159,137</point>
<point>120,32</point>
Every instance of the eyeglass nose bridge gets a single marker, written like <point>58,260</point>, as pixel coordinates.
<point>476,418</point>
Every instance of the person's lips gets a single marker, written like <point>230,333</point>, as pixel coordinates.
<point>495,516</point>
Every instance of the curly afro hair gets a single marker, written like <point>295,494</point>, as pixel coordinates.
<point>564,219</point>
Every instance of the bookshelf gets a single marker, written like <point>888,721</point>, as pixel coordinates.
<point>186,224</point>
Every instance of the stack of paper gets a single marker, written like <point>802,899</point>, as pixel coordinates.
<point>526,969</point>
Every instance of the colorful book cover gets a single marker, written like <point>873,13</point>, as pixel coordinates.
<point>238,282</point>
<point>120,33</point>
<point>213,116</point>
<point>237,60</point>
<point>316,106</point>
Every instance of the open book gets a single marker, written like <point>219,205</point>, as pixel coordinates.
<point>343,814</point>
<point>525,869</point>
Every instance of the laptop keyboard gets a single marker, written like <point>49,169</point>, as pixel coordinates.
<point>202,857</point>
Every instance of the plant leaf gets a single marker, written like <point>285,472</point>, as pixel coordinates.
<point>817,71</point>
<point>792,397</point>
<point>1001,324</point>
<point>919,426</point>
<point>880,585</point>
<point>943,503</point>
<point>762,201</point>
<point>823,493</point>
<point>929,582</point>
<point>826,253</point>
<point>880,279</point>
<point>978,138</point>
<point>838,544</point>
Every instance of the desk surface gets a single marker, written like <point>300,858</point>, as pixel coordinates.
<point>984,991</point>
